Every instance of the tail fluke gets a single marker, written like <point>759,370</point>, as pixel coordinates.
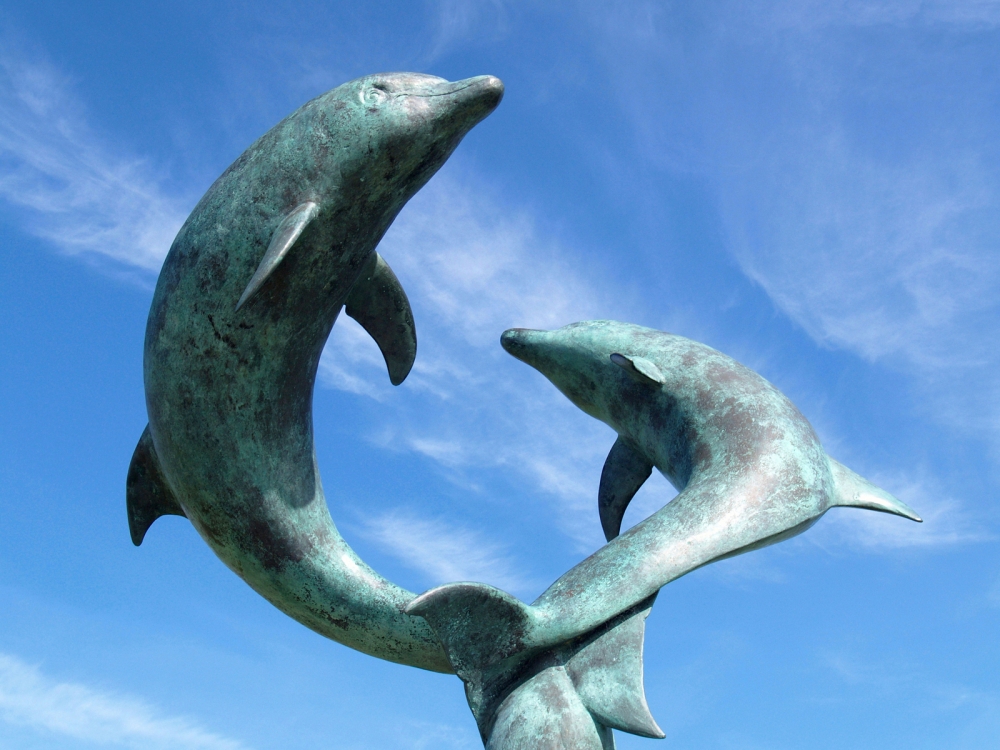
<point>516,684</point>
<point>478,625</point>
<point>857,492</point>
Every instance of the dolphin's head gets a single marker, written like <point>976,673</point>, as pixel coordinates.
<point>576,358</point>
<point>404,126</point>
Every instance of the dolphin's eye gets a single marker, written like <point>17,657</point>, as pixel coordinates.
<point>375,95</point>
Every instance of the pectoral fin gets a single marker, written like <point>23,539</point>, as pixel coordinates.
<point>607,674</point>
<point>639,369</point>
<point>146,492</point>
<point>857,492</point>
<point>379,304</point>
<point>625,470</point>
<point>282,240</point>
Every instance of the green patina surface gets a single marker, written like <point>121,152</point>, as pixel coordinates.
<point>249,292</point>
<point>750,472</point>
<point>252,285</point>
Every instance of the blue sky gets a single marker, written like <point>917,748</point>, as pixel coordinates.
<point>810,187</point>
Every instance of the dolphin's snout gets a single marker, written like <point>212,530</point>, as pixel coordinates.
<point>517,342</point>
<point>469,101</point>
<point>487,89</point>
<point>569,367</point>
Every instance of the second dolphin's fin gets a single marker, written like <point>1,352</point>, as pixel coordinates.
<point>607,674</point>
<point>857,492</point>
<point>147,495</point>
<point>625,471</point>
<point>282,240</point>
<point>379,304</point>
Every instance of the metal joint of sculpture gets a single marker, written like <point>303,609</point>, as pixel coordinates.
<point>250,290</point>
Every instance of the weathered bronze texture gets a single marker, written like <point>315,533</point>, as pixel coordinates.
<point>750,472</point>
<point>247,297</point>
<point>244,304</point>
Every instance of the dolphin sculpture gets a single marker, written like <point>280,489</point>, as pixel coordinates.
<point>247,297</point>
<point>750,472</point>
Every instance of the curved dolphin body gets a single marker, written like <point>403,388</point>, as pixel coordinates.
<point>749,468</point>
<point>246,299</point>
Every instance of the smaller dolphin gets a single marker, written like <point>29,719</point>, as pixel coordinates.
<point>749,467</point>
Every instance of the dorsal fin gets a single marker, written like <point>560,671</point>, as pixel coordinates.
<point>379,304</point>
<point>625,471</point>
<point>282,240</point>
<point>639,369</point>
<point>147,495</point>
<point>857,492</point>
<point>607,674</point>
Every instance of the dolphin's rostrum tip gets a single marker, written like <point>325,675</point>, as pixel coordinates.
<point>509,338</point>
<point>515,341</point>
<point>495,86</point>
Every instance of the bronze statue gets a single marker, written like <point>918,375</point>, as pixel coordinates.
<point>247,297</point>
<point>244,304</point>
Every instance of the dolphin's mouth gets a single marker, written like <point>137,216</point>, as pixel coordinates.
<point>488,86</point>
<point>461,105</point>
<point>464,103</point>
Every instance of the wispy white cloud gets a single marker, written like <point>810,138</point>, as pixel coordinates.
<point>895,261</point>
<point>346,365</point>
<point>457,21</point>
<point>878,259</point>
<point>444,551</point>
<point>875,232</point>
<point>30,698</point>
<point>472,268</point>
<point>891,271</point>
<point>69,186</point>
<point>479,266</point>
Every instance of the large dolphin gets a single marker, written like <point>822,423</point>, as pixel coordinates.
<point>246,299</point>
<point>748,466</point>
